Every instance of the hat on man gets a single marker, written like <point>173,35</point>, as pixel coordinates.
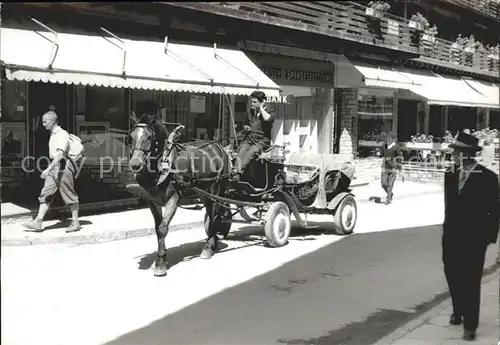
<point>466,141</point>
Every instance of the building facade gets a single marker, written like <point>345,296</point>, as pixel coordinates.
<point>338,79</point>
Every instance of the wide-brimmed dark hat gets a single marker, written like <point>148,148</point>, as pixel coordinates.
<point>466,142</point>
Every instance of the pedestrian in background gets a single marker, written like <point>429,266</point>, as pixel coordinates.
<point>60,174</point>
<point>472,212</point>
<point>391,155</point>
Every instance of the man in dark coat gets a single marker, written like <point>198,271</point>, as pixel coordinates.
<point>391,155</point>
<point>471,222</point>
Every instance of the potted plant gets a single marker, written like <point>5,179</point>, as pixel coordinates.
<point>459,42</point>
<point>430,34</point>
<point>448,138</point>
<point>421,142</point>
<point>471,45</point>
<point>491,135</point>
<point>418,22</point>
<point>376,9</point>
<point>493,52</point>
<point>374,138</point>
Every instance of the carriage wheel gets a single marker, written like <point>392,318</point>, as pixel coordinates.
<point>278,224</point>
<point>223,228</point>
<point>346,216</point>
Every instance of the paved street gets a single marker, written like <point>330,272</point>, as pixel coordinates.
<point>319,289</point>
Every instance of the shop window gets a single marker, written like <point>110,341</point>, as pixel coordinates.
<point>173,108</point>
<point>13,122</point>
<point>460,118</point>
<point>374,117</point>
<point>407,119</point>
<point>436,122</point>
<point>494,119</point>
<point>102,122</point>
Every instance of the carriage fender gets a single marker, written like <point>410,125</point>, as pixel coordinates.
<point>337,200</point>
<point>287,199</point>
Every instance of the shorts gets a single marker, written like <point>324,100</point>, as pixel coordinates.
<point>62,179</point>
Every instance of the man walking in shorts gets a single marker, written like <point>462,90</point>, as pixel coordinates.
<point>59,174</point>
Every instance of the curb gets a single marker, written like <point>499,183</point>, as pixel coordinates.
<point>488,275</point>
<point>92,238</point>
<point>54,213</point>
<point>95,237</point>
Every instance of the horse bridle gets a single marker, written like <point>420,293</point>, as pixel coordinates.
<point>147,152</point>
<point>169,144</point>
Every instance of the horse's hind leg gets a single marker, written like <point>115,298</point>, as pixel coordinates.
<point>213,210</point>
<point>172,197</point>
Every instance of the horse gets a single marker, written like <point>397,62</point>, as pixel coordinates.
<point>202,164</point>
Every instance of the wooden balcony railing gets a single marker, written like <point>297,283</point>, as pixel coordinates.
<point>347,20</point>
<point>490,8</point>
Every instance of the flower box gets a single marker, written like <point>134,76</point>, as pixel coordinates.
<point>429,38</point>
<point>416,25</point>
<point>370,143</point>
<point>344,14</point>
<point>371,12</point>
<point>470,50</point>
<point>493,57</point>
<point>427,146</point>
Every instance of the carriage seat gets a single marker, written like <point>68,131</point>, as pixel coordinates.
<point>273,153</point>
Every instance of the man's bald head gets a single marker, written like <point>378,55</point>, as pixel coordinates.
<point>50,115</point>
<point>49,119</point>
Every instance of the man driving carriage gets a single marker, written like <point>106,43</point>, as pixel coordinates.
<point>256,133</point>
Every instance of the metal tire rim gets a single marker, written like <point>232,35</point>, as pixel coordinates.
<point>348,217</point>
<point>280,225</point>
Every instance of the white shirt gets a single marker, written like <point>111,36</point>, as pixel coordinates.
<point>59,141</point>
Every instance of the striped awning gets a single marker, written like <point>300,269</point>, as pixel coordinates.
<point>435,88</point>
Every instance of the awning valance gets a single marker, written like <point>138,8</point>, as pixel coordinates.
<point>111,62</point>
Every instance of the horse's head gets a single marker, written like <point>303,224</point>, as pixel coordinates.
<point>147,142</point>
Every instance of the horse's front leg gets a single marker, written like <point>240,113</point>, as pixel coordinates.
<point>172,197</point>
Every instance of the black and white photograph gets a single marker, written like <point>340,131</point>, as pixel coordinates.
<point>254,173</point>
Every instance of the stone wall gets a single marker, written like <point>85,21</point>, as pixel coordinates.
<point>348,112</point>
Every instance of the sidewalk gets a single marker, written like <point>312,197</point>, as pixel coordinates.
<point>138,223</point>
<point>432,328</point>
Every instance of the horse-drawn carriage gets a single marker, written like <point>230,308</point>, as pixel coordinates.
<point>275,187</point>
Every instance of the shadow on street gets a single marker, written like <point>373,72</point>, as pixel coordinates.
<point>351,292</point>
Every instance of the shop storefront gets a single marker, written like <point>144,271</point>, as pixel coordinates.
<point>420,107</point>
<point>94,84</point>
<point>305,120</point>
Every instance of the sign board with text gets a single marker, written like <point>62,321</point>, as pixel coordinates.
<point>288,74</point>
<point>197,104</point>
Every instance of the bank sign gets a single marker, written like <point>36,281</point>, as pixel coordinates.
<point>288,74</point>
